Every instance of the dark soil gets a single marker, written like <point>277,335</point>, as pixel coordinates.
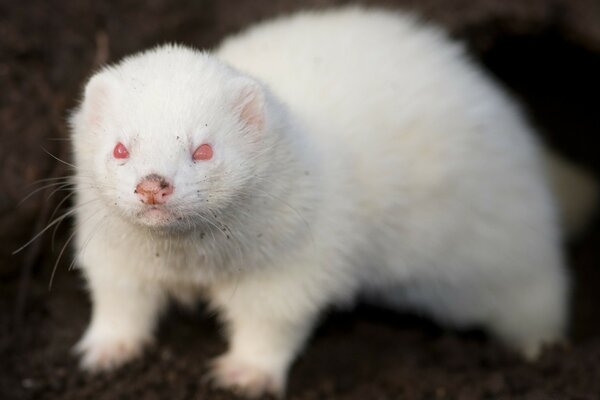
<point>547,52</point>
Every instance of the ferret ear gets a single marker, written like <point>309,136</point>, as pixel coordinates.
<point>249,103</point>
<point>98,93</point>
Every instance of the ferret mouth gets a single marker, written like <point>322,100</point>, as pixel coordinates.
<point>155,215</point>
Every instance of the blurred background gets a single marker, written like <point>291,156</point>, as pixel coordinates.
<point>547,52</point>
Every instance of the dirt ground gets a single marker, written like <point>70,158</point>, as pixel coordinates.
<point>546,51</point>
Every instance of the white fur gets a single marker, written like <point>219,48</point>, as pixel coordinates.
<point>366,155</point>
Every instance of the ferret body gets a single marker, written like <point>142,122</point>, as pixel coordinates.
<point>308,161</point>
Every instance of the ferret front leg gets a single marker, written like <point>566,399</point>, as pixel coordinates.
<point>266,328</point>
<point>124,315</point>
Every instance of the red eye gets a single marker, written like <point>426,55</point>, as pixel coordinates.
<point>120,151</point>
<point>203,152</point>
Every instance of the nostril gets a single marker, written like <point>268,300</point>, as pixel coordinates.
<point>166,190</point>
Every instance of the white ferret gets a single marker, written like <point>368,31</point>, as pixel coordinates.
<point>305,162</point>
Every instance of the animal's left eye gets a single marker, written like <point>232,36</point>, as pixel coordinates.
<point>203,152</point>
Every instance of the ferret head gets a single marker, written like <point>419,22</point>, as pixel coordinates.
<point>169,135</point>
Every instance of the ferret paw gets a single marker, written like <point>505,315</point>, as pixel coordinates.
<point>107,353</point>
<point>245,379</point>
<point>531,351</point>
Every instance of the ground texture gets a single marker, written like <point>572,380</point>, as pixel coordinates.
<point>546,51</point>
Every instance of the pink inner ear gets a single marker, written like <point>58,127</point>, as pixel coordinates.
<point>252,114</point>
<point>96,95</point>
<point>250,103</point>
<point>203,152</point>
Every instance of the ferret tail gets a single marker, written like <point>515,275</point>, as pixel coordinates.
<point>576,192</point>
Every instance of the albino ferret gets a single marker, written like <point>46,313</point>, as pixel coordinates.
<point>310,160</point>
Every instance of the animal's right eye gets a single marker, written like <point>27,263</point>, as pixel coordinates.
<point>120,151</point>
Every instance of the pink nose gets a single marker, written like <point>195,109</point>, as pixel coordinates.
<point>153,189</point>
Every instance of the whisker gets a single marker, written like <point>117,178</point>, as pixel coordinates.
<point>75,231</point>
<point>51,224</point>
<point>52,216</point>
<point>88,240</point>
<point>68,196</point>
<point>297,212</point>
<point>65,215</point>
<point>58,189</point>
<point>59,184</point>
<point>58,178</point>
<point>56,158</point>
<point>58,259</point>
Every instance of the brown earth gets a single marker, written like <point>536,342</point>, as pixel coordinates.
<point>546,51</point>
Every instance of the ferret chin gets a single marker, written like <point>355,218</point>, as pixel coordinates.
<point>307,161</point>
<point>155,216</point>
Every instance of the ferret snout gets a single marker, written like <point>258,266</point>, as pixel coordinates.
<point>153,189</point>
